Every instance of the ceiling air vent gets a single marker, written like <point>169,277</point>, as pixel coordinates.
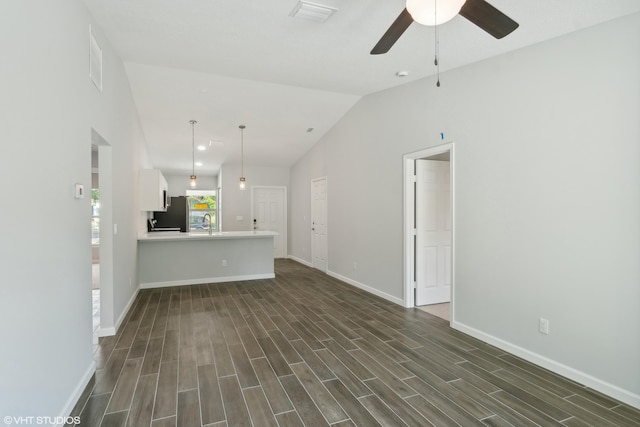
<point>312,11</point>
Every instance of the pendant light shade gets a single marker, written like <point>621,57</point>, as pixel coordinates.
<point>193,180</point>
<point>433,12</point>
<point>243,180</point>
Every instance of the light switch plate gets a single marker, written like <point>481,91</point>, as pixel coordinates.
<point>79,191</point>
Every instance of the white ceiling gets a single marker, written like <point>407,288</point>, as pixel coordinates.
<point>231,62</point>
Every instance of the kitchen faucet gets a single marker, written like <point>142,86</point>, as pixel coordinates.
<point>208,215</point>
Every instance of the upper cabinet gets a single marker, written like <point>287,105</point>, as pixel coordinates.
<point>153,190</point>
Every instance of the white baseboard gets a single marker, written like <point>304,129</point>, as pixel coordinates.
<point>152,285</point>
<point>110,331</point>
<point>300,260</point>
<point>597,384</point>
<point>364,287</point>
<point>77,392</point>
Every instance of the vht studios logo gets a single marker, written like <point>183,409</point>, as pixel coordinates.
<point>8,420</point>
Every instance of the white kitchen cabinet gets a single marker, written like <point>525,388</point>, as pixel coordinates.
<point>153,190</point>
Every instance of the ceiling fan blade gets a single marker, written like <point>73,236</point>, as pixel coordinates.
<point>394,32</point>
<point>488,18</point>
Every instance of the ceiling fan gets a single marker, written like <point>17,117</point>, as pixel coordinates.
<point>436,12</point>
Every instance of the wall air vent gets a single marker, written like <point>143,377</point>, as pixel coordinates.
<point>312,11</point>
<point>95,61</point>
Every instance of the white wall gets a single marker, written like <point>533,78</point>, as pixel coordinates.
<point>179,184</point>
<point>547,205</point>
<point>237,203</point>
<point>48,108</point>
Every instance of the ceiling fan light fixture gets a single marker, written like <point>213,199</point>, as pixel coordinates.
<point>434,12</point>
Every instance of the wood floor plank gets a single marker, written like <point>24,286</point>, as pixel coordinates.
<point>289,419</point>
<point>287,351</point>
<point>224,364</point>
<point>123,393</point>
<point>167,392</point>
<point>381,412</point>
<point>259,408</point>
<point>604,417</point>
<point>344,374</point>
<point>165,422</point>
<point>433,402</point>
<point>542,406</point>
<point>313,361</point>
<point>325,402</point>
<point>349,361</point>
<point>115,419</point>
<point>152,357</point>
<point>433,383</point>
<point>139,345</point>
<point>524,408</point>
<point>94,409</point>
<point>400,387</point>
<point>356,411</point>
<point>107,377</point>
<point>308,411</point>
<point>405,411</point>
<point>233,401</point>
<point>171,345</point>
<point>141,410</point>
<point>210,398</point>
<point>271,352</point>
<point>251,346</point>
<point>244,370</point>
<point>188,409</point>
<point>306,336</point>
<point>274,391</point>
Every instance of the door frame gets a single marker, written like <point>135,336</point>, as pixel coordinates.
<point>105,171</point>
<point>285,209</point>
<point>409,220</point>
<point>326,225</point>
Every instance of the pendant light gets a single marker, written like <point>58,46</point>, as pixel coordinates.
<point>243,181</point>
<point>192,179</point>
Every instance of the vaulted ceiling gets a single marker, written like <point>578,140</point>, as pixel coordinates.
<point>231,62</point>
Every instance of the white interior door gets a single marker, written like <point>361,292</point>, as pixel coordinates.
<point>269,214</point>
<point>319,223</point>
<point>433,232</point>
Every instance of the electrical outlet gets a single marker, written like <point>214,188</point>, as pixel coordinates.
<point>224,262</point>
<point>543,326</point>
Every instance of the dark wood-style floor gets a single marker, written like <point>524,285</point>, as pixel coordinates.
<point>306,349</point>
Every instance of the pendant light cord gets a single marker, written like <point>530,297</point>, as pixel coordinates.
<point>242,150</point>
<point>436,46</point>
<point>193,143</point>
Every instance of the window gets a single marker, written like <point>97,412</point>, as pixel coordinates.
<point>200,204</point>
<point>95,216</point>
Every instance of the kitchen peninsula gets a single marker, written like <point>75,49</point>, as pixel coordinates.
<point>174,258</point>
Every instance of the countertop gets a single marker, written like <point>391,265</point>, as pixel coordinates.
<point>176,235</point>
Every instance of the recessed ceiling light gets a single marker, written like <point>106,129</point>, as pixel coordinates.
<point>213,143</point>
<point>402,74</point>
<point>201,147</point>
<point>309,130</point>
<point>198,163</point>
